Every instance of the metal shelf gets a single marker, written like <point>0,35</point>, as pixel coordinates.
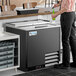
<point>9,56</point>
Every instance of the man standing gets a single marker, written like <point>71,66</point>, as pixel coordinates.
<point>67,20</point>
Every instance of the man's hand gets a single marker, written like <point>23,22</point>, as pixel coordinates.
<point>53,16</point>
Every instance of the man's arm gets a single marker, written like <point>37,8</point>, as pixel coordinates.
<point>58,13</point>
<point>64,9</point>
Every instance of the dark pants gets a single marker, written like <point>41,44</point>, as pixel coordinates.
<point>68,37</point>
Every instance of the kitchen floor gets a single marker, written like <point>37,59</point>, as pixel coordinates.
<point>51,72</point>
<point>11,72</point>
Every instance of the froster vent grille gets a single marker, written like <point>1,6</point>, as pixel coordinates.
<point>51,58</point>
